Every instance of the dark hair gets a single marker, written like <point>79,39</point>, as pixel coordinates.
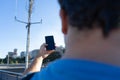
<point>83,13</point>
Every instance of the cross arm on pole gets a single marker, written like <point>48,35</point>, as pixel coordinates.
<point>37,22</point>
<point>20,20</point>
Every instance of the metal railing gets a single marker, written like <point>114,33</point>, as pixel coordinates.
<point>7,75</point>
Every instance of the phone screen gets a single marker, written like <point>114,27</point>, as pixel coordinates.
<point>50,42</point>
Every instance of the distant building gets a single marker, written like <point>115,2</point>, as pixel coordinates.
<point>33,53</point>
<point>60,49</point>
<point>23,54</point>
<point>13,54</point>
<point>15,51</point>
<point>10,54</point>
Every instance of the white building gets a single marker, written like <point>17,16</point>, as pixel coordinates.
<point>13,54</point>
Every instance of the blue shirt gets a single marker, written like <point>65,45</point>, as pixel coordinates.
<point>69,69</point>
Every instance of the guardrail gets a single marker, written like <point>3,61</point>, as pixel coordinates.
<point>5,66</point>
<point>12,64</point>
<point>6,75</point>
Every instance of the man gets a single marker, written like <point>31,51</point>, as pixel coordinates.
<point>92,38</point>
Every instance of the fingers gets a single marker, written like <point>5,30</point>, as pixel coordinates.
<point>43,46</point>
<point>43,52</point>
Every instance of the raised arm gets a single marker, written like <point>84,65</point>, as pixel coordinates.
<point>37,62</point>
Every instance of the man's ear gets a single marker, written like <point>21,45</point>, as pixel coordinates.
<point>64,21</point>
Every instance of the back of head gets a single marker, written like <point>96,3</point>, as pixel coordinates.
<point>83,14</point>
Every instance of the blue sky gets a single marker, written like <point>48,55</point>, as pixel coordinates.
<point>13,33</point>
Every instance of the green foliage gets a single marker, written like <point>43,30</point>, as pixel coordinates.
<point>16,62</point>
<point>12,60</point>
<point>1,61</point>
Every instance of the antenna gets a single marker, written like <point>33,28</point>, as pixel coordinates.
<point>28,25</point>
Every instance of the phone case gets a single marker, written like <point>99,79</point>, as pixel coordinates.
<point>50,43</point>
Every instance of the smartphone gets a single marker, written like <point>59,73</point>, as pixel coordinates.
<point>50,42</point>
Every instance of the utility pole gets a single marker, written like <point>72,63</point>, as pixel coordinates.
<point>31,2</point>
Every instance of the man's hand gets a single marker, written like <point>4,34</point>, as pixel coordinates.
<point>43,52</point>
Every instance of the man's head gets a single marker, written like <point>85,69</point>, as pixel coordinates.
<point>83,14</point>
<point>91,29</point>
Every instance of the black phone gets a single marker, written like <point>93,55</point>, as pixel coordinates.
<point>50,42</point>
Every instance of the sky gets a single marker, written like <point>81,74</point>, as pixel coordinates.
<point>13,34</point>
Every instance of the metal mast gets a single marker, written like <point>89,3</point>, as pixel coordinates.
<point>28,30</point>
